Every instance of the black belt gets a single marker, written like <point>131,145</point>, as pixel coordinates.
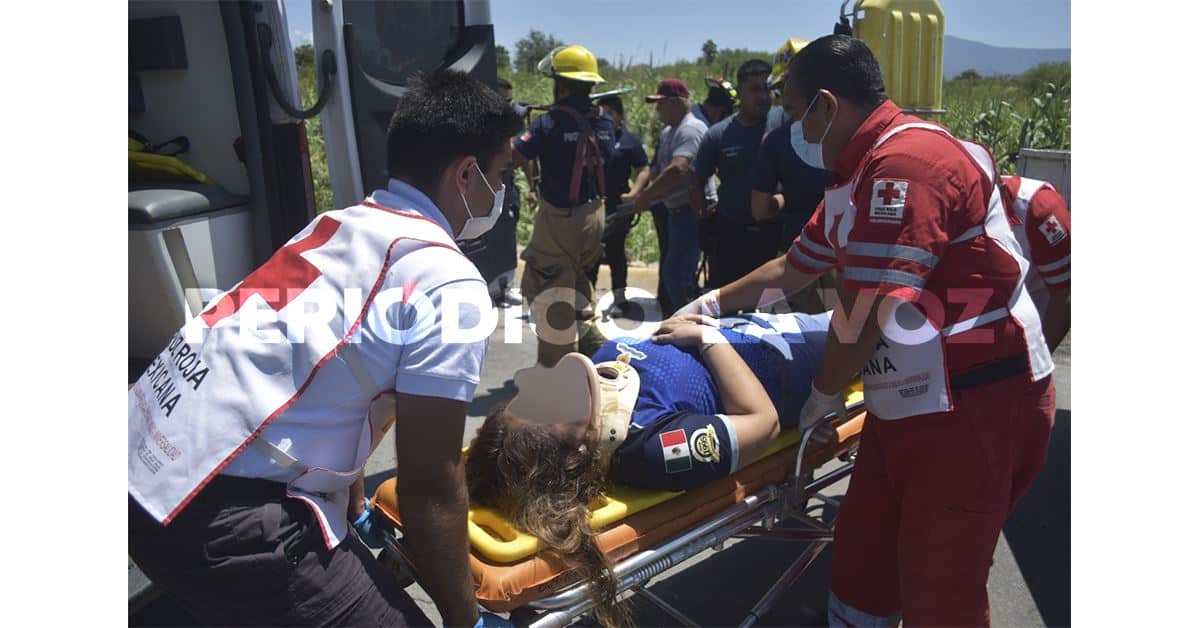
<point>990,372</point>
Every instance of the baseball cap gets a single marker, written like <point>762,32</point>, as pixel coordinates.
<point>668,88</point>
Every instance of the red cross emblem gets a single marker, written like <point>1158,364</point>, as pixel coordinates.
<point>889,193</point>
<point>286,270</point>
<point>1053,230</point>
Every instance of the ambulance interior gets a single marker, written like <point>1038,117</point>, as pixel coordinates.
<point>220,173</point>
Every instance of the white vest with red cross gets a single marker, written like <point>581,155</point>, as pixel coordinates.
<point>919,383</point>
<point>1020,205</point>
<point>301,322</point>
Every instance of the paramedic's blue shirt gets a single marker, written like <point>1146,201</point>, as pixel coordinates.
<point>678,393</point>
<point>803,185</point>
<point>728,150</point>
<point>628,156</point>
<point>551,140</point>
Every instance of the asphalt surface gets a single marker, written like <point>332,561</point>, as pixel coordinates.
<point>1030,578</point>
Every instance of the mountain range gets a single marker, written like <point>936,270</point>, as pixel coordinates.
<point>964,54</point>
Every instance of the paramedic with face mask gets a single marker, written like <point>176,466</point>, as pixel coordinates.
<point>249,432</point>
<point>935,315</point>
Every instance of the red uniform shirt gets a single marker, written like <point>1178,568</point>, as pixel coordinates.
<point>1047,230</point>
<point>917,193</point>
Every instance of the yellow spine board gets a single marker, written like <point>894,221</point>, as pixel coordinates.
<point>907,38</point>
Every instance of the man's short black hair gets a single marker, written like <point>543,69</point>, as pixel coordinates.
<point>503,84</point>
<point>841,64</point>
<point>613,102</point>
<point>751,68</point>
<point>442,117</point>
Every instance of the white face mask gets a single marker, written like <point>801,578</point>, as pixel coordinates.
<point>476,226</point>
<point>809,152</point>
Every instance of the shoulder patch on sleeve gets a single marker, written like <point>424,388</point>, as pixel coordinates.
<point>1052,230</point>
<point>888,197</point>
<point>705,445</point>
<point>526,136</point>
<point>676,454</point>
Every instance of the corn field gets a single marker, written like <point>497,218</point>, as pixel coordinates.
<point>1004,113</point>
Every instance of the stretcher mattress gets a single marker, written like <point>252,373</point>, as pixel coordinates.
<point>509,571</point>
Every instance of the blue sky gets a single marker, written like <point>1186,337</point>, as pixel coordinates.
<point>616,28</point>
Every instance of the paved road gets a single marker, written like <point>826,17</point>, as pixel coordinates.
<point>1030,577</point>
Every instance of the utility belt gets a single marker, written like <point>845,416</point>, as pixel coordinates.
<point>990,372</point>
<point>585,208</point>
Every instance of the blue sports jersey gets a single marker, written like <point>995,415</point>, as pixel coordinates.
<point>678,398</point>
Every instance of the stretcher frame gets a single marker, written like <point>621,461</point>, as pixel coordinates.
<point>756,516</point>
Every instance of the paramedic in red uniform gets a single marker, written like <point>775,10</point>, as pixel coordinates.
<point>935,315</point>
<point>1045,234</point>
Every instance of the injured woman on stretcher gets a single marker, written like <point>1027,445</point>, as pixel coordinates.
<point>688,405</point>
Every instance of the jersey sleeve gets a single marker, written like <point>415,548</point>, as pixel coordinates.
<point>811,252</point>
<point>678,453</point>
<point>529,143</point>
<point>439,330</point>
<point>899,232</point>
<point>1048,229</point>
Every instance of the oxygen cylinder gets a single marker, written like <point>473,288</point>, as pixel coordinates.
<point>907,38</point>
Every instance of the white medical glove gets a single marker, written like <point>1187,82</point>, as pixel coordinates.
<point>708,304</point>
<point>818,405</point>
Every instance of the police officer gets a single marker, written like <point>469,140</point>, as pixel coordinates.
<point>937,319</point>
<point>628,158</point>
<point>249,432</point>
<point>572,142</point>
<point>728,150</point>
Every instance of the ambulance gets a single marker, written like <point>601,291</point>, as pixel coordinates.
<point>220,170</point>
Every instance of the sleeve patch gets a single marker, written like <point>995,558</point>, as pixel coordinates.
<point>1052,230</point>
<point>705,445</point>
<point>526,136</point>
<point>676,454</point>
<point>887,201</point>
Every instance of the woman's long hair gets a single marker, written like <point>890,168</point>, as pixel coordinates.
<point>544,483</point>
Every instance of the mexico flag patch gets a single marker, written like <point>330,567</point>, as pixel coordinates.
<point>676,454</point>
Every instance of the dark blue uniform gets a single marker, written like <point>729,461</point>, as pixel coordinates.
<point>728,150</point>
<point>551,140</point>
<point>678,398</point>
<point>739,243</point>
<point>629,156</point>
<point>803,186</point>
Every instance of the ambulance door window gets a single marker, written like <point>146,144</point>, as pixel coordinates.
<point>381,45</point>
<point>394,40</point>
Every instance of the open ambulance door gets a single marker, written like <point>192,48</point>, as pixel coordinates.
<point>377,46</point>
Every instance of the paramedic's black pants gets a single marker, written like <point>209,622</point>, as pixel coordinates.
<point>242,554</point>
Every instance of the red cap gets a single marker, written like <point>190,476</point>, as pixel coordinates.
<point>667,88</point>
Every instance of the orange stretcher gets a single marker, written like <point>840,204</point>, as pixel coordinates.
<point>647,532</point>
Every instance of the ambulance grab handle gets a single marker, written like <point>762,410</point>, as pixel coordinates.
<point>326,68</point>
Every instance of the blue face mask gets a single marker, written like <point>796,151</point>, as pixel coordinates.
<point>808,152</point>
